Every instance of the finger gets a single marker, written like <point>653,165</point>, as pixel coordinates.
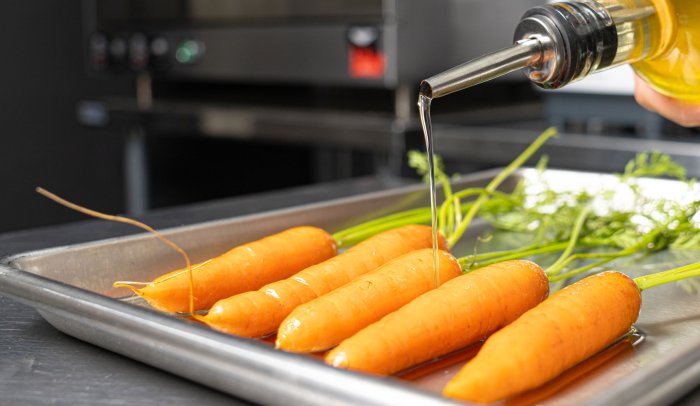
<point>681,112</point>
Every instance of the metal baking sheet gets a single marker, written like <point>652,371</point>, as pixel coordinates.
<point>71,287</point>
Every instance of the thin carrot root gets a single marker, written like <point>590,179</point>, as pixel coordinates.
<point>460,312</point>
<point>327,320</point>
<point>121,219</point>
<point>244,268</point>
<point>259,313</point>
<point>131,285</point>
<point>111,217</point>
<point>570,326</point>
<point>241,269</point>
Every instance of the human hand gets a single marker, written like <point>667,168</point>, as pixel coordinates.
<point>679,111</point>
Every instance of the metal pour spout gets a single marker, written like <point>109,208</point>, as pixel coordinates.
<point>529,52</point>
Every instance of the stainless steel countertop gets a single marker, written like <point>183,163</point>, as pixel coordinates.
<point>41,366</point>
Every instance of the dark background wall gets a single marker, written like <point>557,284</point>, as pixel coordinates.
<point>43,79</point>
<point>42,76</point>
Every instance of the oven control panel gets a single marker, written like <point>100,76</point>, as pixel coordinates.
<point>361,43</point>
<point>139,52</point>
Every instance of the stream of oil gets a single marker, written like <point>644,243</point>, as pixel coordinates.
<point>424,112</point>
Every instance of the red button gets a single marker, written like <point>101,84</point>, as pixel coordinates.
<point>366,63</point>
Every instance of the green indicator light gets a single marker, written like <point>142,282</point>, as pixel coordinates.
<point>188,52</point>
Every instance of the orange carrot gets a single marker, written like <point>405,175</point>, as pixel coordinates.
<point>570,326</point>
<point>327,320</point>
<point>258,313</point>
<point>244,268</point>
<point>537,396</point>
<point>458,313</point>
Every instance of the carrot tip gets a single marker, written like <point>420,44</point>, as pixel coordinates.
<point>339,360</point>
<point>198,317</point>
<point>129,285</point>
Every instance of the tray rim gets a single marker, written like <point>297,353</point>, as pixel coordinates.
<point>62,305</point>
<point>53,300</point>
<point>8,259</point>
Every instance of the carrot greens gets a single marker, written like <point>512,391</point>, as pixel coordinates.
<point>578,229</point>
<point>591,229</point>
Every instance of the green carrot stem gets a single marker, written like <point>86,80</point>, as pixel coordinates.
<point>672,275</point>
<point>514,254</point>
<point>576,257</point>
<point>347,239</point>
<point>457,212</point>
<point>574,272</point>
<point>578,226</point>
<point>418,218</point>
<point>462,226</point>
<point>536,244</point>
<point>555,286</point>
<point>355,234</point>
<point>497,254</point>
<point>639,246</point>
<point>502,176</point>
<point>443,214</point>
<point>446,215</point>
<point>447,188</point>
<point>364,230</point>
<point>419,215</point>
<point>541,231</point>
<point>381,220</point>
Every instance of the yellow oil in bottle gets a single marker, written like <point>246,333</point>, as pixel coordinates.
<point>562,42</point>
<point>676,70</point>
